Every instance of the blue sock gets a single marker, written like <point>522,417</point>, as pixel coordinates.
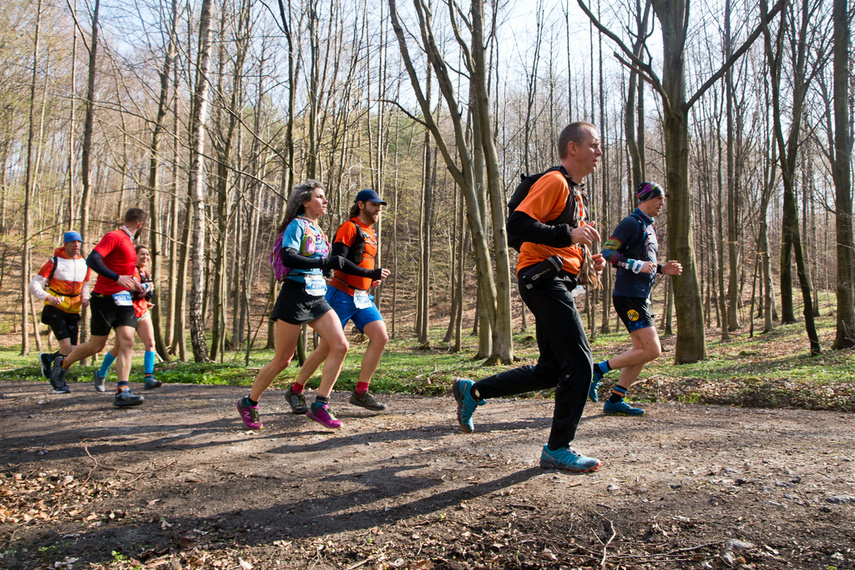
<point>106,363</point>
<point>148,362</point>
<point>603,366</point>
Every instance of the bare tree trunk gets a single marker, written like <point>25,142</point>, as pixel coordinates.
<point>196,217</point>
<point>841,171</point>
<point>88,121</point>
<point>501,322</point>
<point>462,168</point>
<point>71,120</point>
<point>154,181</point>
<point>732,186</point>
<point>721,291</point>
<point>223,144</point>
<point>788,152</point>
<point>29,182</point>
<point>423,310</point>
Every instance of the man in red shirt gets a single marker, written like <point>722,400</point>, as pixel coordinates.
<point>114,260</point>
<point>348,295</point>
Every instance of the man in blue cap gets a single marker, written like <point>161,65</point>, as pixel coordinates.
<point>348,295</point>
<point>632,250</point>
<point>63,285</point>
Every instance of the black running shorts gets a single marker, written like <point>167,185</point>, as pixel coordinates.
<point>297,307</point>
<point>106,315</point>
<point>64,325</point>
<point>635,312</point>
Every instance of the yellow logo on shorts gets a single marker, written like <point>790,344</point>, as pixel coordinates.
<point>632,314</point>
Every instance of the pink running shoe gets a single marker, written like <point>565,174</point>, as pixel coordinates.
<point>323,415</point>
<point>249,414</point>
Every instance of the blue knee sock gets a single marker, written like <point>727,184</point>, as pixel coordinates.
<point>148,362</point>
<point>603,366</point>
<point>106,363</point>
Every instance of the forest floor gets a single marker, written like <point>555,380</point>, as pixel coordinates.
<point>178,483</point>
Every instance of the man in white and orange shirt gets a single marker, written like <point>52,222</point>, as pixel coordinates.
<point>63,285</point>
<point>348,295</point>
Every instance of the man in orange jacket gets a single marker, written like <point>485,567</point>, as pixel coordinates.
<point>63,285</point>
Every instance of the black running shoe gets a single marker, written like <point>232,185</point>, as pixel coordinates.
<point>57,377</point>
<point>367,401</point>
<point>151,382</point>
<point>45,361</point>
<point>126,398</point>
<point>297,402</point>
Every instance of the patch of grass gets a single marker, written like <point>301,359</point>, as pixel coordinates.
<point>768,370</point>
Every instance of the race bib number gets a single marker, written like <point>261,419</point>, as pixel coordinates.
<point>315,285</point>
<point>123,299</point>
<point>361,300</point>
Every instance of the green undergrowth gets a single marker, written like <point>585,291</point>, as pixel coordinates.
<point>769,370</point>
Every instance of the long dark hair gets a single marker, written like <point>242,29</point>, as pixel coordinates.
<point>300,194</point>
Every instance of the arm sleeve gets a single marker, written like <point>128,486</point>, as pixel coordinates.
<point>96,262</point>
<point>37,287</point>
<point>339,248</point>
<point>610,251</point>
<point>353,269</point>
<point>291,258</point>
<point>522,224</point>
<point>624,235</point>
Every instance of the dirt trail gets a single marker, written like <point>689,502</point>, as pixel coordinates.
<point>178,483</point>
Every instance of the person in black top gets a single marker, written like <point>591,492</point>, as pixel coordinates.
<point>632,249</point>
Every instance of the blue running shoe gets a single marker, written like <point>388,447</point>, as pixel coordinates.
<point>595,383</point>
<point>621,409</point>
<point>466,404</point>
<point>568,459</point>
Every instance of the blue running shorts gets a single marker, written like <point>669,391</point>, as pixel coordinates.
<point>342,303</point>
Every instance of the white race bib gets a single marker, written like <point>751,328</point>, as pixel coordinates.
<point>361,300</point>
<point>315,285</point>
<point>123,299</point>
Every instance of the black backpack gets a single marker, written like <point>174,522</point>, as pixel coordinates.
<point>570,214</point>
<point>356,251</point>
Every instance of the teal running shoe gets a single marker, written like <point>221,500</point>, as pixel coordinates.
<point>621,409</point>
<point>466,404</point>
<point>568,459</point>
<point>595,384</point>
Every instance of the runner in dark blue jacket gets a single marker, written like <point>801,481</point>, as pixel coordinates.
<point>632,250</point>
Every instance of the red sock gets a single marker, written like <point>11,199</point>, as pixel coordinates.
<point>361,387</point>
<point>297,388</point>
